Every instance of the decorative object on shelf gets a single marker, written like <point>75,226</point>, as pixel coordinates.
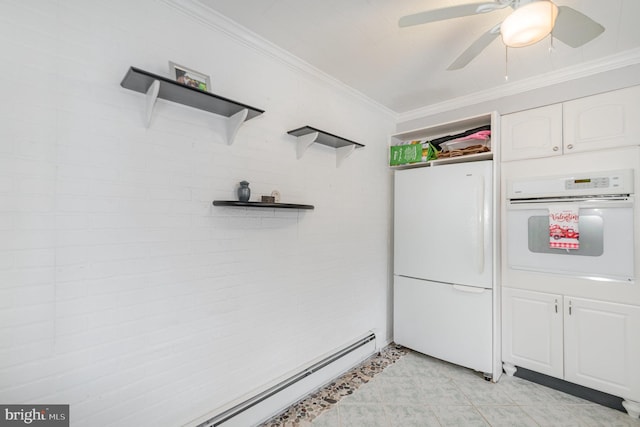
<point>188,77</point>
<point>276,196</point>
<point>268,199</point>
<point>155,86</point>
<point>261,205</point>
<point>244,192</point>
<point>307,135</point>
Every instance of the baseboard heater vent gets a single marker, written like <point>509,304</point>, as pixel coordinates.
<point>272,401</point>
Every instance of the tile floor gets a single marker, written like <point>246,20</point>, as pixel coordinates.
<point>416,390</point>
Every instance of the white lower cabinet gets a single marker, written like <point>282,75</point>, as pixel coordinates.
<point>532,331</point>
<point>602,346</point>
<point>592,343</point>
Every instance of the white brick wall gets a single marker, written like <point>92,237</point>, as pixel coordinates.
<point>123,291</point>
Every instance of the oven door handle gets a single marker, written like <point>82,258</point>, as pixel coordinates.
<point>582,203</point>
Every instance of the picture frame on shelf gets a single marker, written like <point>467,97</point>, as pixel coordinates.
<point>189,77</point>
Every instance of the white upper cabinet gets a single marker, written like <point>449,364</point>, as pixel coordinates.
<point>597,122</point>
<point>532,133</point>
<point>610,119</point>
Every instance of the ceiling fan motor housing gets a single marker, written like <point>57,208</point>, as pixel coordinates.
<point>519,3</point>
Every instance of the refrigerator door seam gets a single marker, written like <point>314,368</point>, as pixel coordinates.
<point>444,283</point>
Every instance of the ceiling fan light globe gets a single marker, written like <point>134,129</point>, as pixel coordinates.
<point>529,23</point>
<point>527,37</point>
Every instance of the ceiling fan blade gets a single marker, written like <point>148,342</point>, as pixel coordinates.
<point>449,13</point>
<point>475,49</point>
<point>574,28</point>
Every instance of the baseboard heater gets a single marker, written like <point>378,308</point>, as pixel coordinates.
<point>277,398</point>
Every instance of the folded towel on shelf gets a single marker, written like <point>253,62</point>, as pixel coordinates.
<point>474,149</point>
<point>483,135</point>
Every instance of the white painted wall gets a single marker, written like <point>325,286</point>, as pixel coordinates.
<point>123,291</point>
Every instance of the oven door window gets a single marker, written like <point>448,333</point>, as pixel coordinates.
<point>606,243</point>
<point>591,236</point>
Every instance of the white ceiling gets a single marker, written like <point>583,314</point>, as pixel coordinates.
<point>359,43</point>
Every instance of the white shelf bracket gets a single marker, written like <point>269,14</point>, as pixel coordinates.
<point>343,152</point>
<point>152,96</point>
<point>233,124</point>
<point>304,141</point>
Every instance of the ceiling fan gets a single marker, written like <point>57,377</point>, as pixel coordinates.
<point>530,22</point>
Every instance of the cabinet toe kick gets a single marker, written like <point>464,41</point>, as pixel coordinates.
<point>632,408</point>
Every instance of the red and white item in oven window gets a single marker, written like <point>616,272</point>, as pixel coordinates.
<point>563,227</point>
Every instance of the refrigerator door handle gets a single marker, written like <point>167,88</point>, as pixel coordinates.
<point>469,289</point>
<point>480,244</point>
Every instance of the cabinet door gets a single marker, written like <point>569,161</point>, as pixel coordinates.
<point>602,346</point>
<point>602,121</point>
<point>532,133</point>
<point>532,330</point>
<point>450,322</point>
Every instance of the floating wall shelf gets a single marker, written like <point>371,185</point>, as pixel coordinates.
<point>155,86</point>
<point>260,204</point>
<point>308,135</point>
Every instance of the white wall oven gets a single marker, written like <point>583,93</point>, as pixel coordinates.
<point>576,224</point>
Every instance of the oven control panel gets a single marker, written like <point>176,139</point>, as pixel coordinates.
<point>584,184</point>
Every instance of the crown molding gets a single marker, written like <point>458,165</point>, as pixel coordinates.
<point>218,22</point>
<point>585,69</point>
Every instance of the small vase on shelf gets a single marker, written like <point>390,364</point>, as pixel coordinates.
<point>244,192</point>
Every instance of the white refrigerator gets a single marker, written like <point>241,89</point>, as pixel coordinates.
<point>443,276</point>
